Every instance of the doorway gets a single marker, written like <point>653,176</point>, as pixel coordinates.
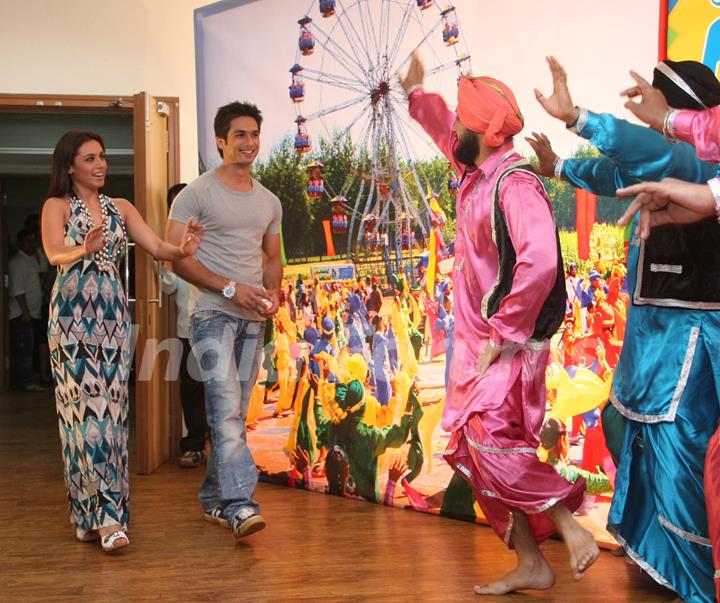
<point>141,137</point>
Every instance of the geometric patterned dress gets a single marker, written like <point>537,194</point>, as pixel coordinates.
<point>89,339</point>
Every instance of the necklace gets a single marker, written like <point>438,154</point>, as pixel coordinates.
<point>105,258</point>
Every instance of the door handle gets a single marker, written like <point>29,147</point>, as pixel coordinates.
<point>128,245</point>
<point>130,300</point>
<point>158,300</point>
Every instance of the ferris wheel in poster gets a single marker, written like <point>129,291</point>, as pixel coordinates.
<point>344,84</point>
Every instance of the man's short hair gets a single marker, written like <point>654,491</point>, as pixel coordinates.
<point>226,113</point>
<point>173,192</point>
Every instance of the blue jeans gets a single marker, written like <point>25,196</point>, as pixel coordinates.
<point>228,350</point>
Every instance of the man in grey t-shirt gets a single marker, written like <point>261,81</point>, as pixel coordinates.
<point>232,294</point>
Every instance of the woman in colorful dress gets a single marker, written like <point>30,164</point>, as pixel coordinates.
<point>84,233</point>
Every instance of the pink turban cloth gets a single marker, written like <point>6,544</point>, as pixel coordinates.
<point>488,107</point>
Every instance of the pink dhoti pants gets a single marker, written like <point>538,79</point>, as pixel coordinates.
<point>495,452</point>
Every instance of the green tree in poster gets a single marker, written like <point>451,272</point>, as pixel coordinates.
<point>283,174</point>
<point>346,167</point>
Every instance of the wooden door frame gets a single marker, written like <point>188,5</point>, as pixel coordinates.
<point>151,424</point>
<point>4,293</point>
<point>56,103</point>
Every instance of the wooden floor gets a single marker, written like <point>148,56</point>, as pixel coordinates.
<point>315,548</point>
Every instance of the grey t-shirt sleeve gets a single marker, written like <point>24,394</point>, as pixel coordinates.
<point>185,206</point>
<point>274,227</point>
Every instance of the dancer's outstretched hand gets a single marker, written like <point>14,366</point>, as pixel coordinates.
<point>559,104</point>
<point>545,154</point>
<point>652,106</point>
<point>415,75</point>
<point>697,198</point>
<point>671,201</point>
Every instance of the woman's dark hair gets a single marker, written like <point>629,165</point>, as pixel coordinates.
<point>376,321</point>
<point>63,158</point>
<point>337,465</point>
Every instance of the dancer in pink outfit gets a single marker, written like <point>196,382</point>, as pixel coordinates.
<point>506,306</point>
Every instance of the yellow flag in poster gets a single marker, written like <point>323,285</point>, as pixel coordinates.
<point>432,262</point>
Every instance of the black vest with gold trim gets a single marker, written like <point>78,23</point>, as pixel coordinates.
<point>553,310</point>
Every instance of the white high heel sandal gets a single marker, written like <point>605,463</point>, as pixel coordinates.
<point>114,541</point>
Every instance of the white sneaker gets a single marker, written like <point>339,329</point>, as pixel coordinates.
<point>246,522</point>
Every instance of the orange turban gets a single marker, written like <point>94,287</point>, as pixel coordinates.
<point>487,106</point>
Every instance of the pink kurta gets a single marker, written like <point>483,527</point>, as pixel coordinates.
<point>701,129</point>
<point>496,419</point>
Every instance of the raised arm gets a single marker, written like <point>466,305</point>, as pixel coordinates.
<point>639,153</point>
<point>597,175</point>
<point>431,112</point>
<point>701,129</point>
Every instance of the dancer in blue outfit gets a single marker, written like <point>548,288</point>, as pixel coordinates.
<point>357,326</point>
<point>380,374</point>
<point>667,381</point>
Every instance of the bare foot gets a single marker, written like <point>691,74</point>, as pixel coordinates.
<point>535,576</point>
<point>582,548</point>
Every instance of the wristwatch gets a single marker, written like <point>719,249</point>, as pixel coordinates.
<point>228,290</point>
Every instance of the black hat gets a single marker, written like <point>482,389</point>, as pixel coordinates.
<point>687,84</point>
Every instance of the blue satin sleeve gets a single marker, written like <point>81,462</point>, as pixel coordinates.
<point>597,175</point>
<point>638,153</point>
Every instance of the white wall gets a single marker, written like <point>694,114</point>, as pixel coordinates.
<point>102,47</point>
<point>123,47</point>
